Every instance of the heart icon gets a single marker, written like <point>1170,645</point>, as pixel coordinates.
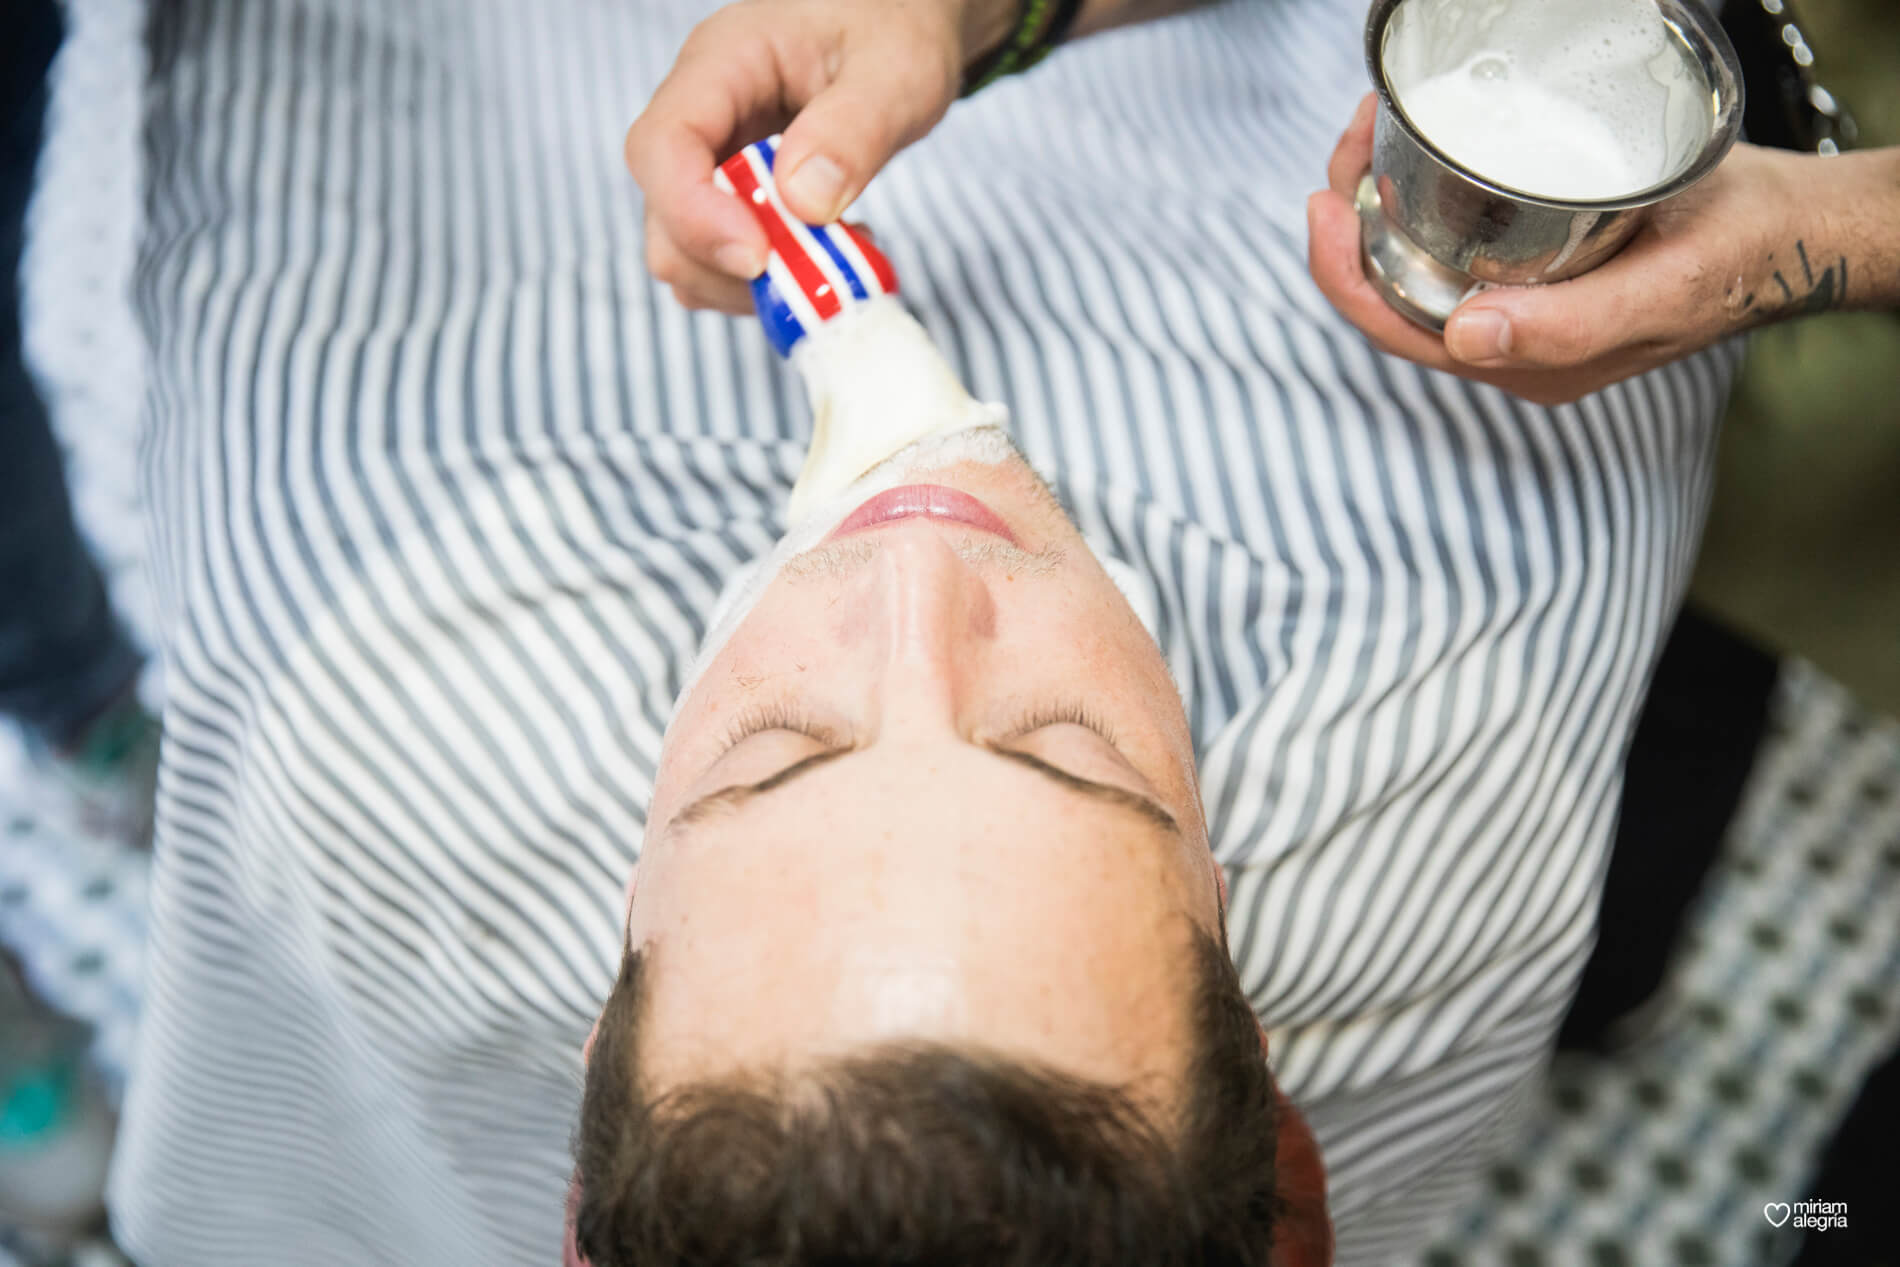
<point>1776,1212</point>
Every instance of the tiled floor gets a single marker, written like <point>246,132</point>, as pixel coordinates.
<point>1784,997</point>
<point>1666,1155</point>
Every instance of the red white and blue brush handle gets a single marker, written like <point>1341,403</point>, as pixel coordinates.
<point>814,272</point>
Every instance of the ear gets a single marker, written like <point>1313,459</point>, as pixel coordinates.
<point>1303,1236</point>
<point>570,1252</point>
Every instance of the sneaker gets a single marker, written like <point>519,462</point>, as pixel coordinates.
<point>106,781</point>
<point>56,1127</point>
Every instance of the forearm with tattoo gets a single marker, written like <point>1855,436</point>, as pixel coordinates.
<point>1815,288</point>
<point>1845,252</point>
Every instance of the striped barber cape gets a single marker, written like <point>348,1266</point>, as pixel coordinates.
<point>443,489</point>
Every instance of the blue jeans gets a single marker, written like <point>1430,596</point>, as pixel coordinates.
<point>63,654</point>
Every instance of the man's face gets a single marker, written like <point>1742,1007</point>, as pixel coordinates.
<point>938,785</point>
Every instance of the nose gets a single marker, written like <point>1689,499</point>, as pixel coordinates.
<point>936,615</point>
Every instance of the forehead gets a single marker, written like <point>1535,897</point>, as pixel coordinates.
<point>977,904</point>
<point>915,815</point>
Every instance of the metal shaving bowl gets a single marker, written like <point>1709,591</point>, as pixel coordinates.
<point>1432,231</point>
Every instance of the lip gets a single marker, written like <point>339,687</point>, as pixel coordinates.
<point>934,501</point>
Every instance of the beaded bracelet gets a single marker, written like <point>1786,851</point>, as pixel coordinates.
<point>1786,108</point>
<point>1040,26</point>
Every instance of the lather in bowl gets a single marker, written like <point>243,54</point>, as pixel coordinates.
<point>1432,230</point>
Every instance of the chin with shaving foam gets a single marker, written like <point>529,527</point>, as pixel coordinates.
<point>877,386</point>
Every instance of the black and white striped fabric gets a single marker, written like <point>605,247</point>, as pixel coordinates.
<point>443,489</point>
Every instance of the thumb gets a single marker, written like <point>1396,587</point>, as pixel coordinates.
<point>886,94</point>
<point>1559,326</point>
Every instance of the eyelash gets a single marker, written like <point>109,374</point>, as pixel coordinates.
<point>780,716</point>
<point>1066,713</point>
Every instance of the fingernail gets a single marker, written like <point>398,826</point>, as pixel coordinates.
<point>740,261</point>
<point>1479,337</point>
<point>818,185</point>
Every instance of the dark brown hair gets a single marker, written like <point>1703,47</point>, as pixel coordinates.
<point>929,1156</point>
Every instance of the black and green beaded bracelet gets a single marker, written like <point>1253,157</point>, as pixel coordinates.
<point>1040,26</point>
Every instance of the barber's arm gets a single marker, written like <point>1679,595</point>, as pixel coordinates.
<point>850,82</point>
<point>1767,236</point>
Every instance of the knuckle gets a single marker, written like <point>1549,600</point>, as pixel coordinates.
<point>707,32</point>
<point>663,260</point>
<point>1572,353</point>
<point>941,78</point>
<point>1382,343</point>
<point>692,295</point>
<point>633,146</point>
<point>1561,346</point>
<point>714,34</point>
<point>639,133</point>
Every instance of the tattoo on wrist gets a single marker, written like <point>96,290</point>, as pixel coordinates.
<point>1798,293</point>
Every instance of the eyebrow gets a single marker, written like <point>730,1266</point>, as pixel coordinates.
<point>731,798</point>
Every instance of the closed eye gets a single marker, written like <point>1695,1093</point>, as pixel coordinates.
<point>781,716</point>
<point>732,798</point>
<point>1068,713</point>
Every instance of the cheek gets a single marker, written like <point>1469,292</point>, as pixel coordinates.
<point>779,645</point>
<point>1098,637</point>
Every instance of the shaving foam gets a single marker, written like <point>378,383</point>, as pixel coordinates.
<point>827,301</point>
<point>877,386</point>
